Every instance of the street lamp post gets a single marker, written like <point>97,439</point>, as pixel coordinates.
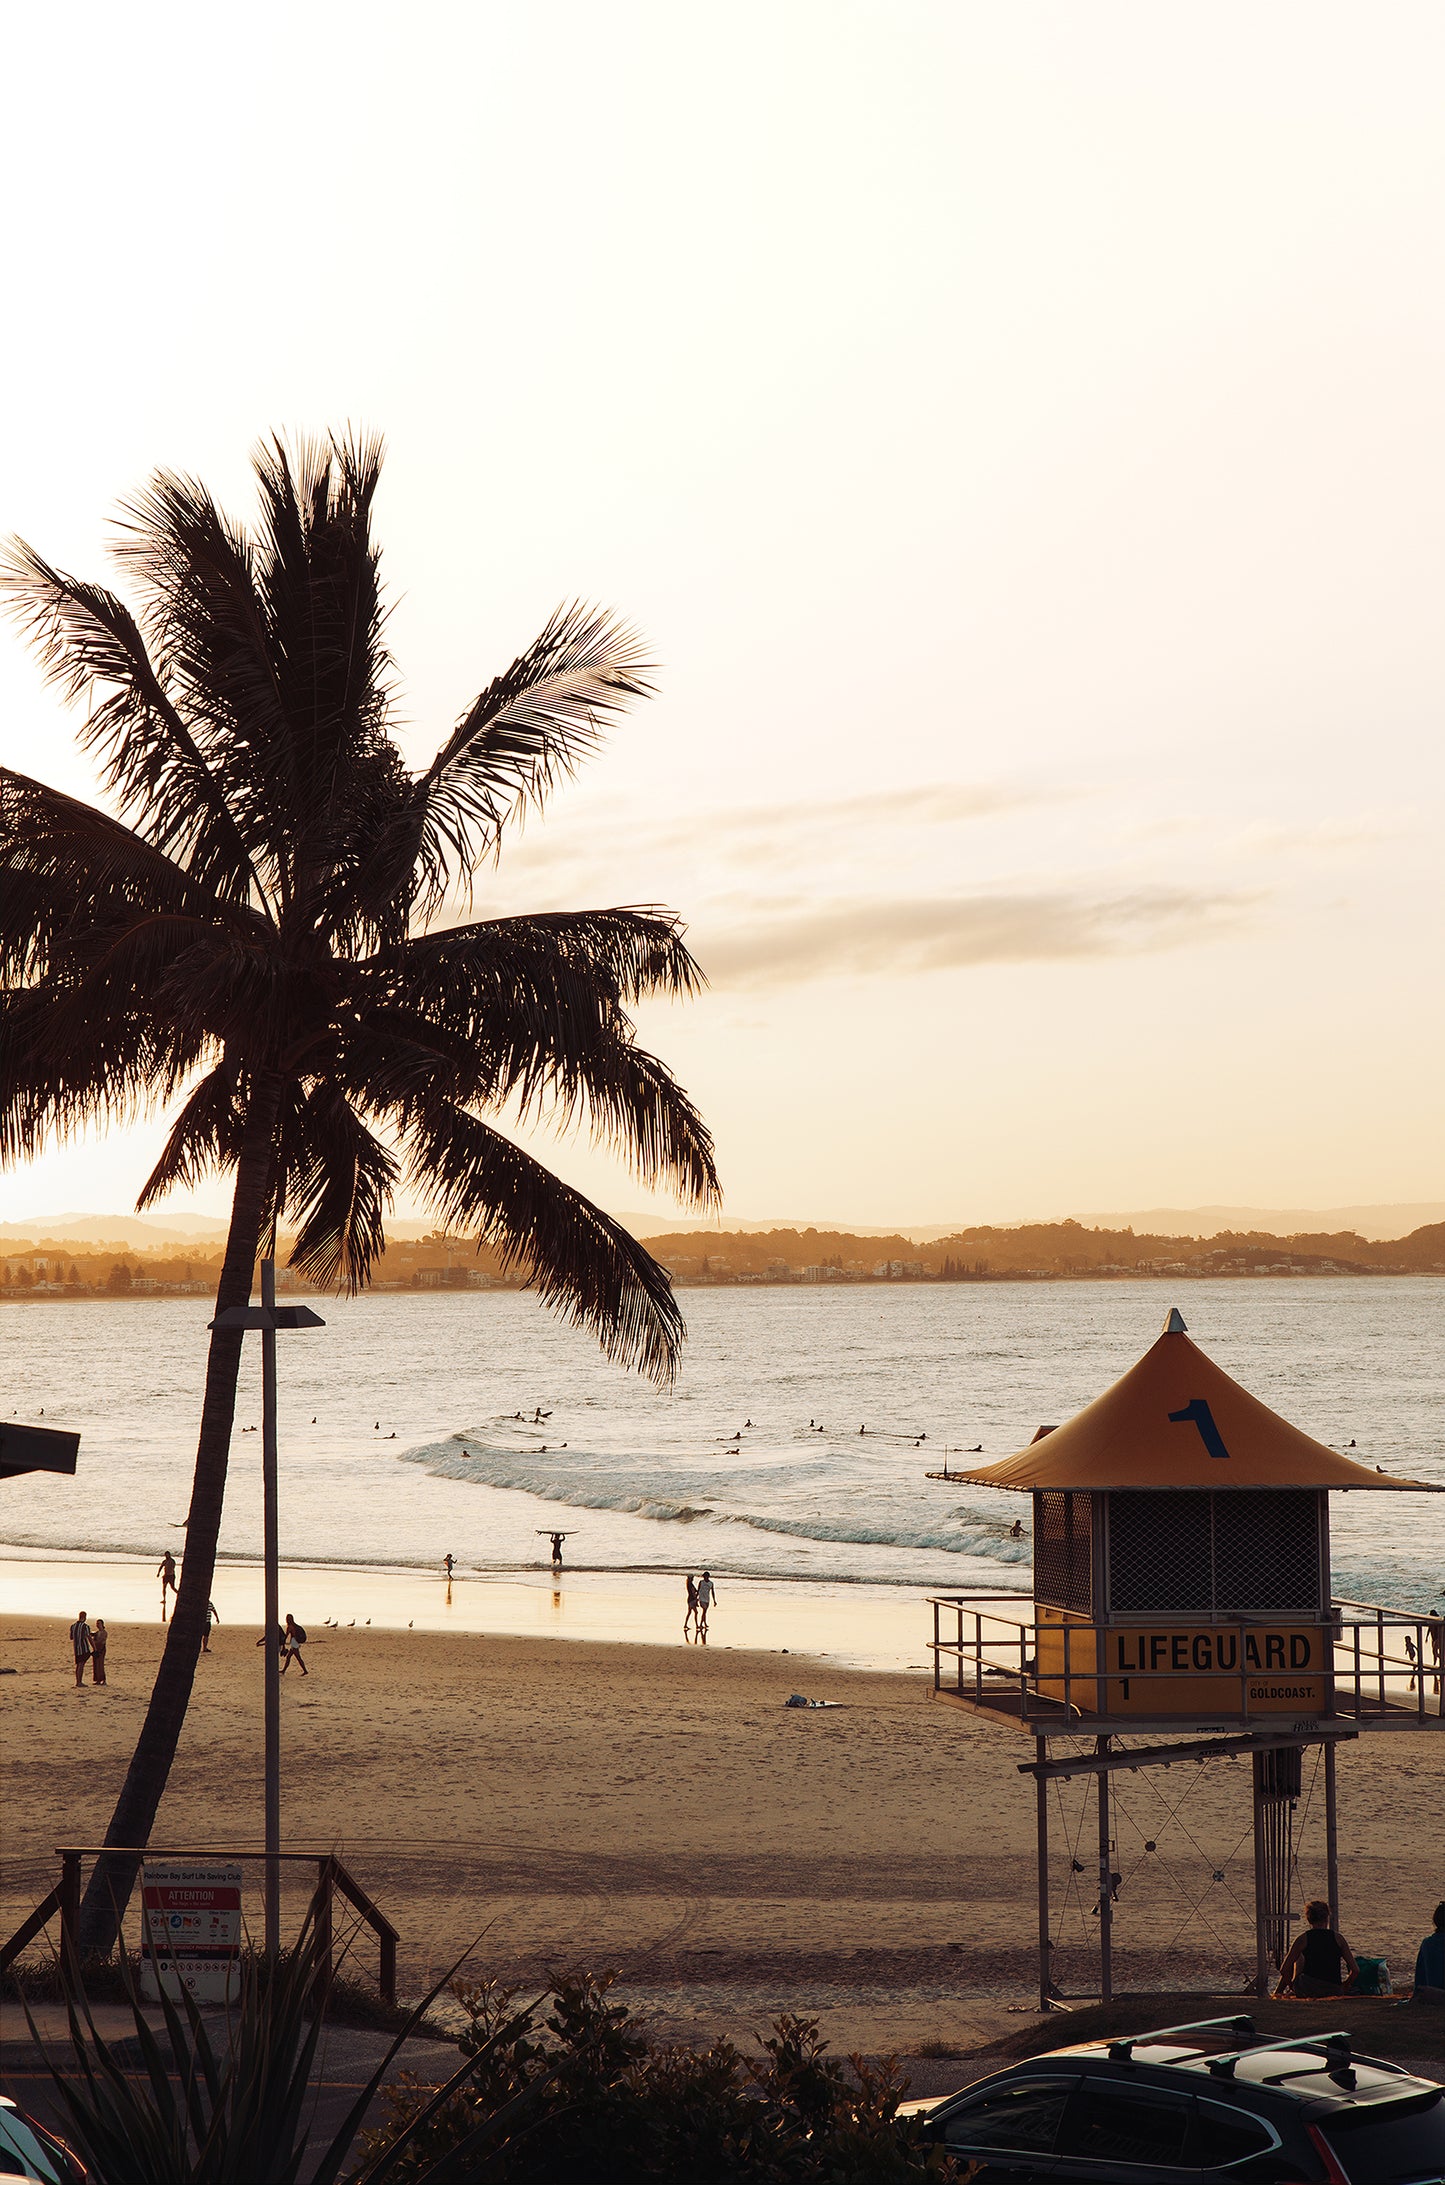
<point>268,1316</point>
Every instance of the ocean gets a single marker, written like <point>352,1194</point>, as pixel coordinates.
<point>474,1423</point>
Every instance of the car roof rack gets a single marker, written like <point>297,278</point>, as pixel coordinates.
<point>1333,2047</point>
<point>1122,2052</point>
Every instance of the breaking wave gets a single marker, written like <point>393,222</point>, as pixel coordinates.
<point>592,1480</point>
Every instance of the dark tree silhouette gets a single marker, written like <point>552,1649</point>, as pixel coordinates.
<point>259,934</point>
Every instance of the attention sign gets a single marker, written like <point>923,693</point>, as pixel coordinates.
<point>191,1931</point>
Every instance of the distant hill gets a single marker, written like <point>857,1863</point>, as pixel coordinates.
<point>655,1225</point>
<point>136,1230</point>
<point>1049,1250</point>
<point>1374,1222</point>
<point>75,1254</point>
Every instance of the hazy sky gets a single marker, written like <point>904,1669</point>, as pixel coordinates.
<point>1017,429</point>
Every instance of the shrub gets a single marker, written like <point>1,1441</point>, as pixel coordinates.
<point>587,2095</point>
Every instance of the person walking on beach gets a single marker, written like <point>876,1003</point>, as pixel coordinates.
<point>706,1595</point>
<point>99,1641</point>
<point>447,1562</point>
<point>166,1572</point>
<point>691,1616</point>
<point>557,1540</point>
<point>213,1616</point>
<point>293,1638</point>
<point>81,1643</point>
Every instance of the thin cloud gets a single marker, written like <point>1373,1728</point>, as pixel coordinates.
<point>757,834</point>
<point>902,935</point>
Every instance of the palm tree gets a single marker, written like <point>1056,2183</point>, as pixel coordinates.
<point>260,930</point>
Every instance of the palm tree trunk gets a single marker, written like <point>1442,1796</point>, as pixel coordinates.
<point>135,1811</point>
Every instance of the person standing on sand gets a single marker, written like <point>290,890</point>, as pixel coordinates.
<point>706,1595</point>
<point>166,1572</point>
<point>80,1646</point>
<point>99,1641</point>
<point>213,1616</point>
<point>691,1616</point>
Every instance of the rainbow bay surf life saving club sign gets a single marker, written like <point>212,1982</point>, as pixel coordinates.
<point>190,1931</point>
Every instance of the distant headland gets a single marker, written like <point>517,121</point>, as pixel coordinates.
<point>47,1265</point>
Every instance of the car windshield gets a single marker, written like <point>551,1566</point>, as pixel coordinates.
<point>1388,2143</point>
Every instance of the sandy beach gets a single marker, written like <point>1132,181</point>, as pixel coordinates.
<point>661,1811</point>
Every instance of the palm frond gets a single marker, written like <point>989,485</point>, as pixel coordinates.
<point>204,1138</point>
<point>197,570</point>
<point>61,1066</point>
<point>528,730</point>
<point>88,643</point>
<point>337,1180</point>
<point>531,1009</point>
<point>317,577</point>
<point>628,953</point>
<point>635,1106</point>
<point>581,1262</point>
<point>69,873</point>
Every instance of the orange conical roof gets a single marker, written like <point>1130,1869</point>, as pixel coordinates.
<point>1176,1420</point>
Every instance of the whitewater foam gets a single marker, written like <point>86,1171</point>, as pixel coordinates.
<point>598,1480</point>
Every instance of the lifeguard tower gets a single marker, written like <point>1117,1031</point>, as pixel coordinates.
<point>1182,1587</point>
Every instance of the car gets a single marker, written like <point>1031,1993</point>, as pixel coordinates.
<point>28,2150</point>
<point>1187,2105</point>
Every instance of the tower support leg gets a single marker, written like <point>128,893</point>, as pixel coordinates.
<point>1261,1888</point>
<point>1278,1780</point>
<point>1041,1796</point>
<point>1106,1884</point>
<point>1332,1837</point>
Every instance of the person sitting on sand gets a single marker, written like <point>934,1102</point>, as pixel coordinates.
<point>99,1641</point>
<point>1430,1963</point>
<point>81,1642</point>
<point>1320,1962</point>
